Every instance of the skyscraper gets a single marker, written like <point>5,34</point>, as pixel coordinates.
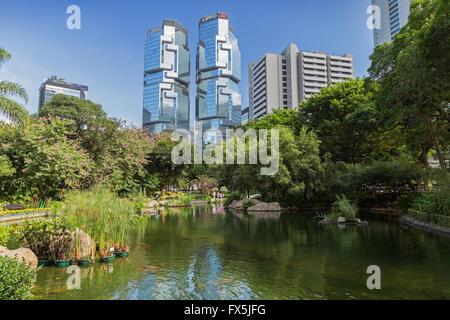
<point>166,78</point>
<point>394,15</point>
<point>218,101</point>
<point>54,85</point>
<point>282,81</point>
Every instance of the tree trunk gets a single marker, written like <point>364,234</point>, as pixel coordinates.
<point>436,143</point>
<point>423,158</point>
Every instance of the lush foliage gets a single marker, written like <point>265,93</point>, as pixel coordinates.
<point>348,124</point>
<point>16,279</point>
<point>343,207</point>
<point>389,175</point>
<point>414,78</point>
<point>75,146</point>
<point>436,201</point>
<point>206,184</point>
<point>4,235</point>
<point>39,236</point>
<point>160,161</point>
<point>45,159</point>
<point>106,218</point>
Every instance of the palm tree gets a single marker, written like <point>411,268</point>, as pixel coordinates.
<point>9,107</point>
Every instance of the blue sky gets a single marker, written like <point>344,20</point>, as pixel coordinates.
<point>107,54</point>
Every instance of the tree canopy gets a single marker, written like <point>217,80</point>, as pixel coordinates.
<point>414,78</point>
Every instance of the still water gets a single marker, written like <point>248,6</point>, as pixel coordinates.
<point>209,253</point>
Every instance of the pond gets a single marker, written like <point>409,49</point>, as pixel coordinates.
<point>210,253</point>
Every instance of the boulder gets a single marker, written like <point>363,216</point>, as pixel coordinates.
<point>86,243</point>
<point>153,204</point>
<point>266,207</point>
<point>239,205</point>
<point>22,255</point>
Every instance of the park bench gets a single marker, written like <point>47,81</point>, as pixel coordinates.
<point>17,206</point>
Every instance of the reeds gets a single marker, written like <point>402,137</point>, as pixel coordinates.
<point>106,218</point>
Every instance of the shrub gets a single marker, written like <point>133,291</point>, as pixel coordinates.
<point>36,236</point>
<point>232,197</point>
<point>434,202</point>
<point>4,235</point>
<point>344,208</point>
<point>390,175</point>
<point>248,204</point>
<point>186,200</point>
<point>16,279</point>
<point>39,235</point>
<point>139,201</point>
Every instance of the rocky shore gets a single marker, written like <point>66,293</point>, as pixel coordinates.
<point>257,206</point>
<point>431,227</point>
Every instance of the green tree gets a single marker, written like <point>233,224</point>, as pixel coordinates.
<point>287,118</point>
<point>301,172</point>
<point>119,153</point>
<point>414,76</point>
<point>46,162</point>
<point>160,161</point>
<point>9,107</point>
<point>6,168</point>
<point>84,113</point>
<point>346,121</point>
<point>205,183</point>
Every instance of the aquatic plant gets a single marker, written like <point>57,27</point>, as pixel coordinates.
<point>342,207</point>
<point>106,218</point>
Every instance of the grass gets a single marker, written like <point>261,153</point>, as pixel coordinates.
<point>342,207</point>
<point>106,218</point>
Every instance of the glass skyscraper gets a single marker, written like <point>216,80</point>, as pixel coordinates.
<point>218,101</point>
<point>166,78</point>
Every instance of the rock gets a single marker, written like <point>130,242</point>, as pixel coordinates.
<point>239,205</point>
<point>86,243</point>
<point>266,207</point>
<point>152,204</point>
<point>21,255</point>
<point>148,212</point>
<point>341,220</point>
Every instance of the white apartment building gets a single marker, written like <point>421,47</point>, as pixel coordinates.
<point>282,81</point>
<point>394,15</point>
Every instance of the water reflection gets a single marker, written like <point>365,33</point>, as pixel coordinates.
<point>209,253</point>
